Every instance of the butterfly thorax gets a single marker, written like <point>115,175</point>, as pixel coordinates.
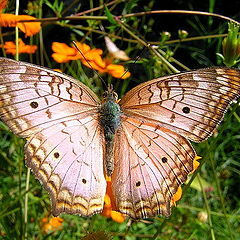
<point>110,114</point>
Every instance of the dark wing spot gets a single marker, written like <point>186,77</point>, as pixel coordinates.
<point>164,159</point>
<point>186,110</point>
<point>34,104</point>
<point>138,184</point>
<point>56,155</point>
<point>84,181</point>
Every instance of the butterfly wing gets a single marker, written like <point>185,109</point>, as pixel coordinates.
<point>58,115</point>
<point>158,118</point>
<point>155,162</point>
<point>191,104</point>
<point>33,97</point>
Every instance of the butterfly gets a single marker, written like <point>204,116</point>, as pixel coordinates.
<point>74,140</point>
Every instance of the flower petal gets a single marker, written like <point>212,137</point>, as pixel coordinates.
<point>63,48</point>
<point>117,217</point>
<point>117,71</point>
<point>29,28</point>
<point>177,196</point>
<point>83,47</point>
<point>196,163</point>
<point>8,20</point>
<point>11,20</point>
<point>10,47</point>
<point>93,64</point>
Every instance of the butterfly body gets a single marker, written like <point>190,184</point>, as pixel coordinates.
<point>143,140</point>
<point>110,120</point>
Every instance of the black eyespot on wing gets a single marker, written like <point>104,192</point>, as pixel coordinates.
<point>34,104</point>
<point>164,159</point>
<point>138,184</point>
<point>56,155</point>
<point>186,110</point>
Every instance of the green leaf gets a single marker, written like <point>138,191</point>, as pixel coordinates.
<point>109,15</point>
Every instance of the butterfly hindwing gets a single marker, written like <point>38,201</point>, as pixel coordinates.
<point>67,159</point>
<point>156,161</point>
<point>191,104</point>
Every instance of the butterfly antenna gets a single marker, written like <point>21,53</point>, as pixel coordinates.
<point>79,50</point>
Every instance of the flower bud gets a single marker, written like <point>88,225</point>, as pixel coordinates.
<point>182,34</point>
<point>231,45</point>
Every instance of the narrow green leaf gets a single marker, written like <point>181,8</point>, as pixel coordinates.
<point>109,15</point>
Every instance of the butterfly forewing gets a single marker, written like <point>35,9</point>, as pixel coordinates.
<point>33,97</point>
<point>59,116</point>
<point>191,104</point>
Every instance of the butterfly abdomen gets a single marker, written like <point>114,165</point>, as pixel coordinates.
<point>110,113</point>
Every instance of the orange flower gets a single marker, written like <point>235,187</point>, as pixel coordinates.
<point>11,20</point>
<point>177,196</point>
<point>117,71</point>
<point>51,225</point>
<point>92,58</point>
<point>109,206</point>
<point>196,163</point>
<point>63,53</point>
<point>10,47</point>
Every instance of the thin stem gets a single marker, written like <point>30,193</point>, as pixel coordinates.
<point>180,12</point>
<point>207,208</point>
<point>220,193</point>
<point>16,31</point>
<point>41,45</point>
<point>75,17</point>
<point>26,201</point>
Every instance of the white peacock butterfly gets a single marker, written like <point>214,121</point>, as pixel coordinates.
<point>74,139</point>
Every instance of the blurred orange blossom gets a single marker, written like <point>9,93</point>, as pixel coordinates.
<point>92,58</point>
<point>51,225</point>
<point>10,47</point>
<point>11,20</point>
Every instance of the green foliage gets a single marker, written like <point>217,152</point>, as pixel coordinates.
<point>231,46</point>
<point>210,208</point>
